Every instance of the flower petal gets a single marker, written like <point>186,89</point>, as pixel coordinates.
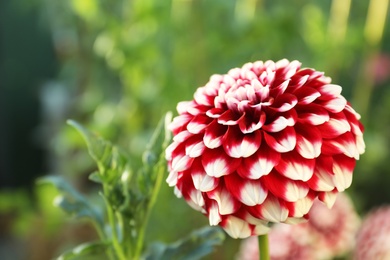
<point>312,114</point>
<point>329,198</point>
<point>180,161</point>
<point>179,123</point>
<point>301,207</point>
<point>213,214</point>
<point>334,105</point>
<point>284,102</point>
<point>272,209</point>
<point>342,168</point>
<point>336,126</point>
<point>309,141</point>
<point>259,164</point>
<point>285,188</point>
<point>229,118</point>
<point>281,122</point>
<point>227,204</point>
<point>216,163</point>
<point>294,166</point>
<point>237,144</point>
<point>306,95</point>
<point>201,180</point>
<point>236,227</point>
<point>283,141</point>
<point>248,125</point>
<point>213,135</point>
<point>195,146</point>
<point>198,123</point>
<point>344,144</point>
<point>322,179</point>
<point>249,192</point>
<point>329,91</point>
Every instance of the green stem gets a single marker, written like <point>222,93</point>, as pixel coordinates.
<point>156,189</point>
<point>263,247</point>
<point>111,218</point>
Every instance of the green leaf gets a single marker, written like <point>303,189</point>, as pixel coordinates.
<point>99,149</point>
<point>71,201</point>
<point>154,155</point>
<point>198,244</point>
<point>91,250</point>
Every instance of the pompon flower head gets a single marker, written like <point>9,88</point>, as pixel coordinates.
<point>260,143</point>
<point>373,239</point>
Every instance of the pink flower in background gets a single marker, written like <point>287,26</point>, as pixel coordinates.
<point>373,239</point>
<point>259,144</point>
<point>329,233</point>
<point>334,230</point>
<point>285,242</point>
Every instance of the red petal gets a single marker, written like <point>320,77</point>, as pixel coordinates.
<point>329,198</point>
<point>215,112</point>
<point>334,105</point>
<point>344,144</point>
<point>283,141</point>
<point>302,206</point>
<point>249,192</point>
<point>229,118</point>
<point>297,81</point>
<point>179,123</point>
<point>284,102</point>
<point>249,124</point>
<point>193,197</point>
<point>217,163</point>
<point>337,125</point>
<point>312,114</point>
<point>286,119</point>
<point>236,227</point>
<point>198,123</point>
<point>213,135</point>
<point>342,168</point>
<point>227,204</point>
<point>294,166</point>
<point>201,180</point>
<point>213,213</point>
<point>194,146</point>
<point>259,164</point>
<point>322,179</point>
<point>180,161</point>
<point>306,95</point>
<point>272,209</point>
<point>285,188</point>
<point>329,91</point>
<point>280,89</point>
<point>353,117</point>
<point>202,98</point>
<point>309,141</point>
<point>237,144</point>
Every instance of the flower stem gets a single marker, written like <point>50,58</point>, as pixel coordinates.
<point>156,189</point>
<point>263,247</point>
<point>111,218</point>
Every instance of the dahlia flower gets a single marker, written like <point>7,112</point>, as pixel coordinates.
<point>373,239</point>
<point>257,145</point>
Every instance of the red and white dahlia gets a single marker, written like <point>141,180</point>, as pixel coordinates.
<point>258,145</point>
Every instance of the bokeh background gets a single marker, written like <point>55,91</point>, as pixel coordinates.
<point>117,66</point>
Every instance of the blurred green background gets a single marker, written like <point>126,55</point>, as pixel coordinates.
<point>117,66</point>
